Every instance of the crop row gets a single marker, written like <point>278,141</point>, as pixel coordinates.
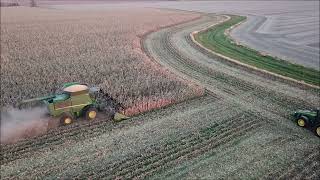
<point>160,156</point>
<point>21,149</point>
<point>240,86</point>
<point>75,131</point>
<point>309,167</point>
<point>42,49</point>
<point>268,95</point>
<point>232,85</point>
<point>305,167</point>
<point>205,71</point>
<point>284,102</point>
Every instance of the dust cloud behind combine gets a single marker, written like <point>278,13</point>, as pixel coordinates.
<point>19,124</point>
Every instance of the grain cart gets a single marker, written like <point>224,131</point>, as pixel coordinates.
<point>75,100</point>
<point>308,119</point>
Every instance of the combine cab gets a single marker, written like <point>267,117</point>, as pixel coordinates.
<point>309,119</point>
<point>75,100</point>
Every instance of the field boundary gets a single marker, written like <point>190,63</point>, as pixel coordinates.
<point>236,62</point>
<point>143,49</point>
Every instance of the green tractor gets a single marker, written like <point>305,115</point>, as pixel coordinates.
<point>75,100</point>
<point>309,119</point>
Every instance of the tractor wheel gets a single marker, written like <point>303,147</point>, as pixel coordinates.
<point>66,119</point>
<point>317,130</point>
<point>91,113</point>
<point>302,122</point>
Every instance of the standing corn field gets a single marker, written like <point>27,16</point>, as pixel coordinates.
<point>41,49</point>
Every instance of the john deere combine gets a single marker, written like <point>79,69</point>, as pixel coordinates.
<point>309,119</point>
<point>75,100</point>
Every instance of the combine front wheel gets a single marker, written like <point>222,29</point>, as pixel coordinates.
<point>66,119</point>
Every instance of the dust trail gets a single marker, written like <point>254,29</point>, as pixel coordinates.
<point>20,124</point>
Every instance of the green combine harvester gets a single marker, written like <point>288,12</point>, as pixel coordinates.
<point>309,119</point>
<point>76,100</point>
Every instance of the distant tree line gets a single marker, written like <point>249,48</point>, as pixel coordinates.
<point>33,3</point>
<point>7,4</point>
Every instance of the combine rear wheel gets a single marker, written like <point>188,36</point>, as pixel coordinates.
<point>66,119</point>
<point>91,113</point>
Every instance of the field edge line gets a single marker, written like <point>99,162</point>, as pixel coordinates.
<point>236,62</point>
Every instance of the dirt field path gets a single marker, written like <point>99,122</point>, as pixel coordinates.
<point>241,128</point>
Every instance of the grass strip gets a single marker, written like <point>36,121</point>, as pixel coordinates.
<point>215,39</point>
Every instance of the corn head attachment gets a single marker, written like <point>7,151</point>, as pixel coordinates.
<point>120,117</point>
